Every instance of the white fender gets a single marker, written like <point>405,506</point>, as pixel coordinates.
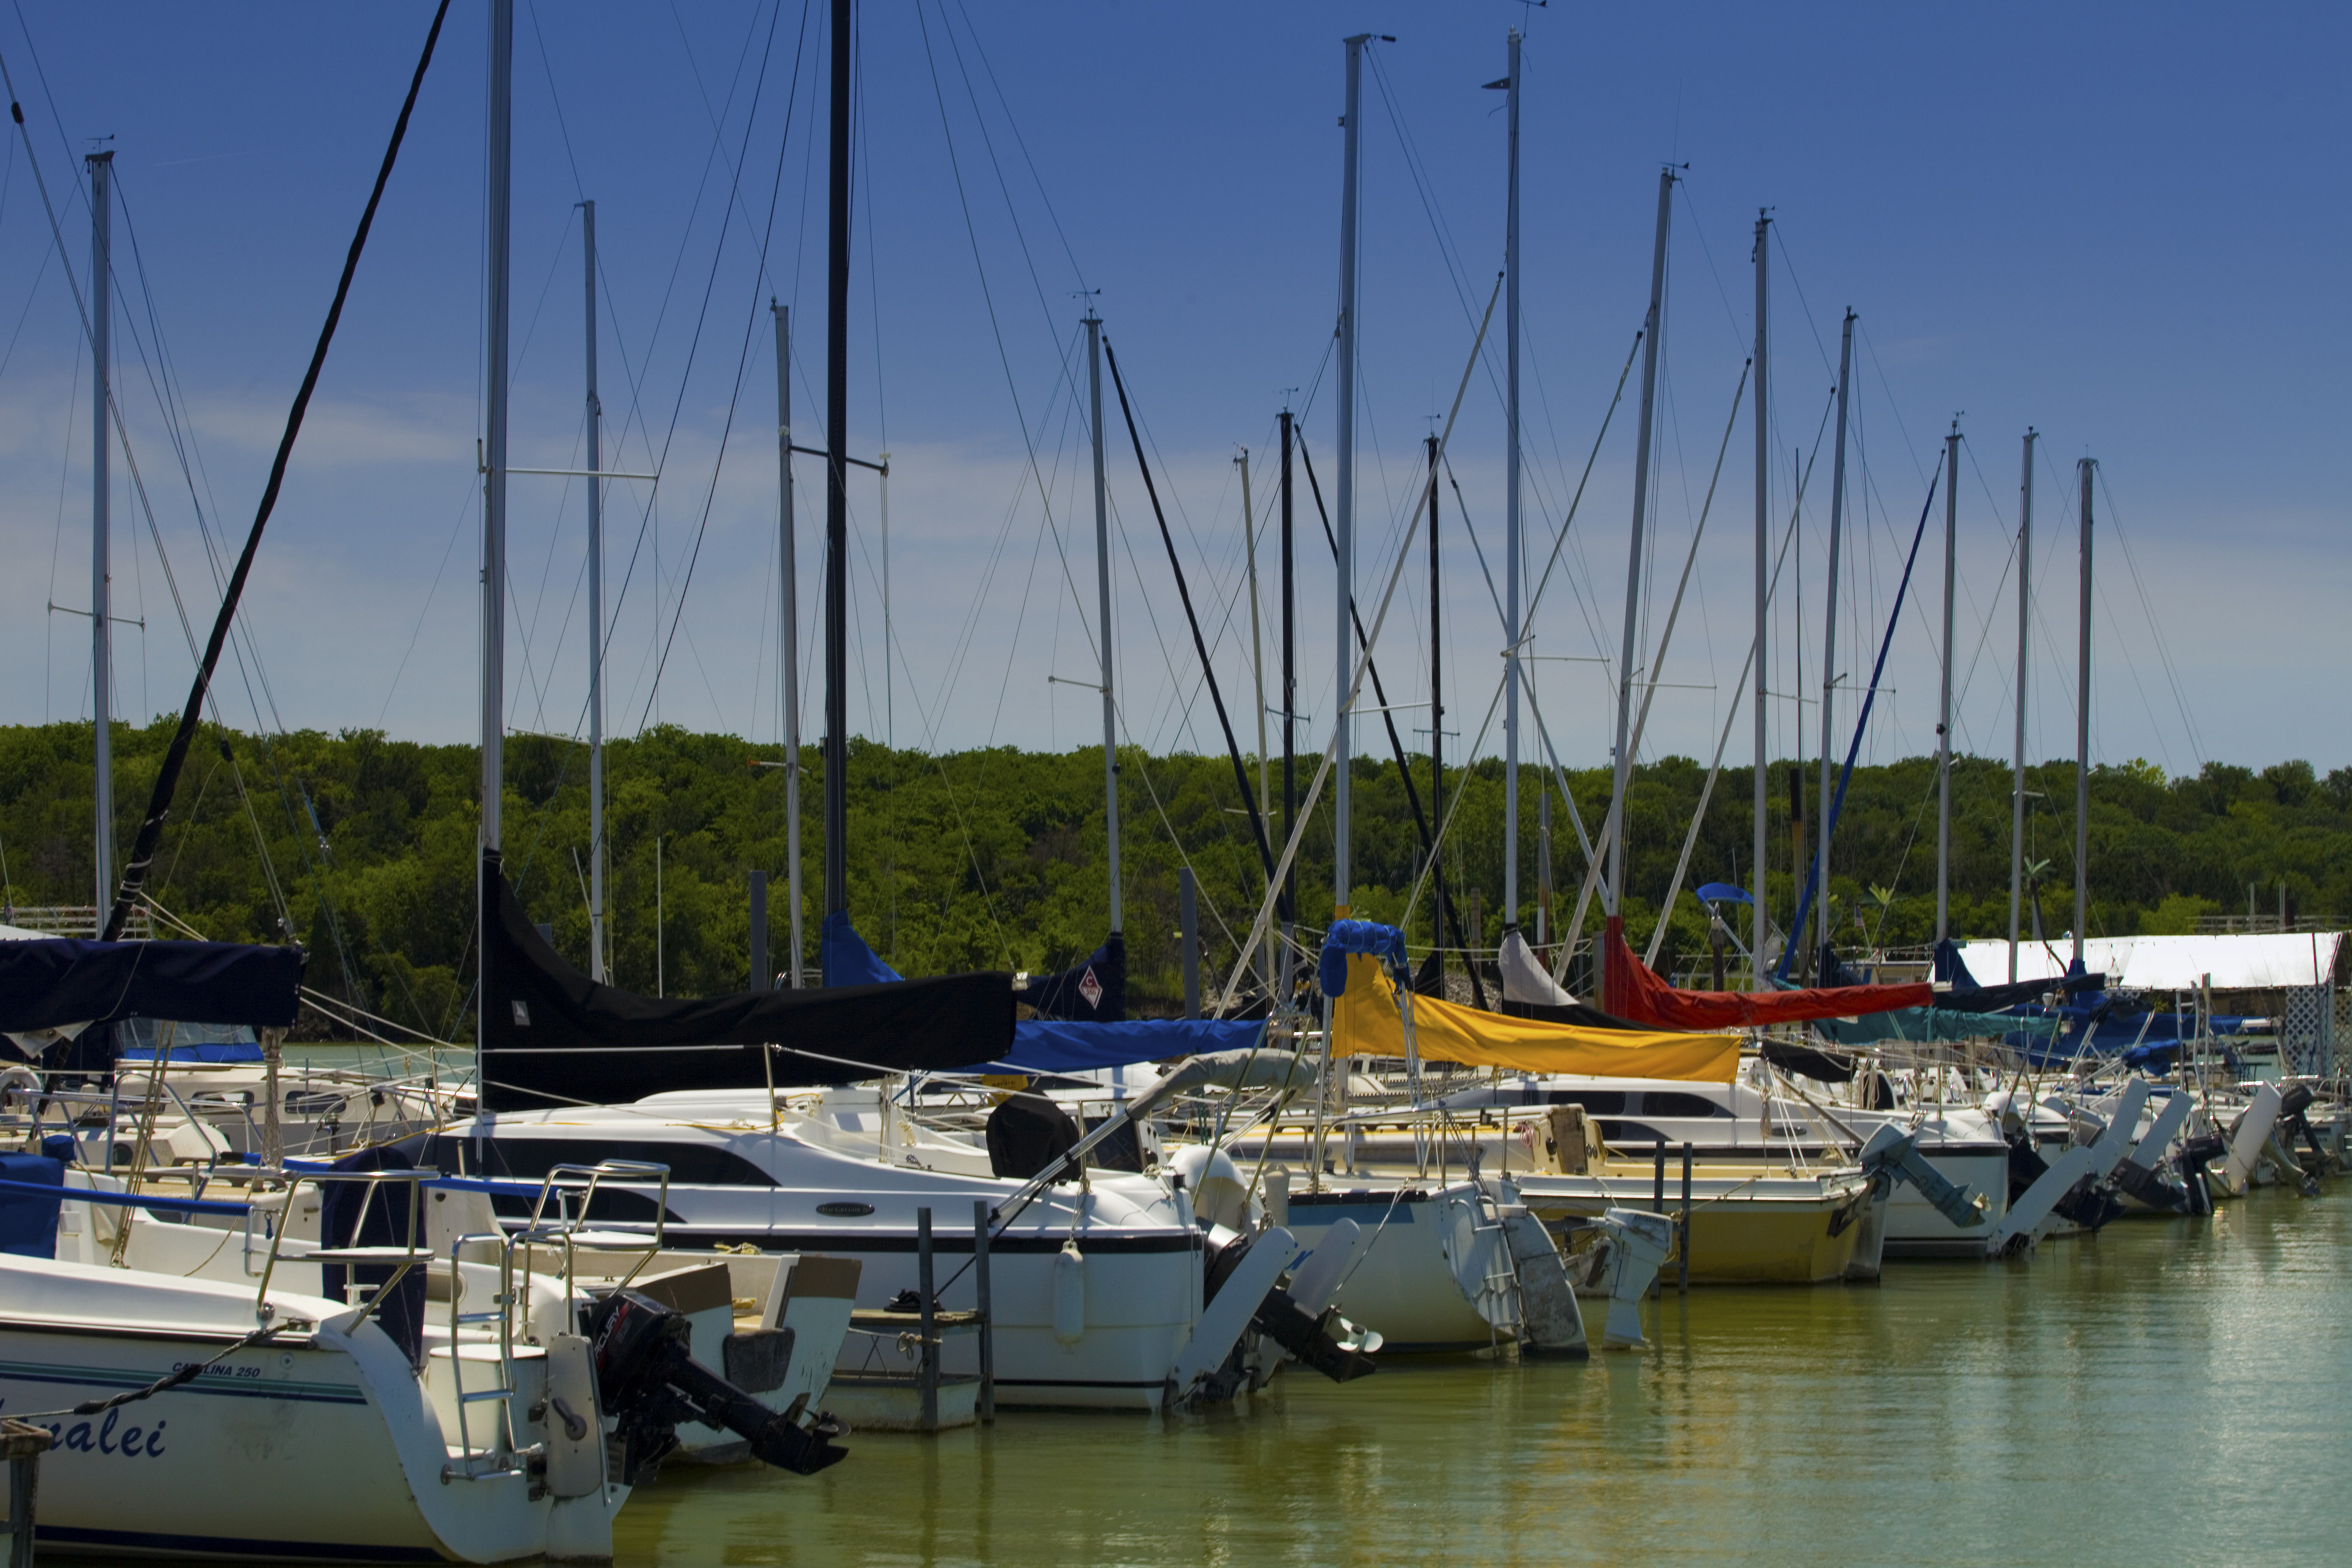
<point>1069,1295</point>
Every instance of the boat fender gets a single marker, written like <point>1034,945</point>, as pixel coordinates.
<point>1069,1295</point>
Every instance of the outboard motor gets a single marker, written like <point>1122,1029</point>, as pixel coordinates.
<point>2196,1154</point>
<point>2152,1189</point>
<point>645,1377</point>
<point>2291,1122</point>
<point>2089,1205</point>
<point>1893,1155</point>
<point>1317,1341</point>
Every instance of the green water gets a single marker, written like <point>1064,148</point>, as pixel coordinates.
<point>2167,1392</point>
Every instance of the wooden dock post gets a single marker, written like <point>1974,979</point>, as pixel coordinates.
<point>930,1322</point>
<point>24,1444</point>
<point>1658,1200</point>
<point>987,1310</point>
<point>1683,1241</point>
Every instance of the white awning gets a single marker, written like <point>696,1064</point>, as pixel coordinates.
<point>2236,961</point>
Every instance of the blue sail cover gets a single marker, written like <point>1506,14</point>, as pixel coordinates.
<point>844,958</point>
<point>1061,1045</point>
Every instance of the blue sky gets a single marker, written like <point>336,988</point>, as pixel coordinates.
<point>2121,225</point>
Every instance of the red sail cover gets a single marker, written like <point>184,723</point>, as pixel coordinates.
<point>1634,992</point>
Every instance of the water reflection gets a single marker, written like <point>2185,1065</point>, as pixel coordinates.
<point>2166,1392</point>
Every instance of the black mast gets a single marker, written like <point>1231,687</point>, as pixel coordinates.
<point>836,465</point>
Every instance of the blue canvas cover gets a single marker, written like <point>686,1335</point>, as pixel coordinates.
<point>844,959</point>
<point>1369,937</point>
<point>138,1040</point>
<point>1060,1045</point>
<point>28,1222</point>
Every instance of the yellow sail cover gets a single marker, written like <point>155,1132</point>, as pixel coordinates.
<point>1365,1023</point>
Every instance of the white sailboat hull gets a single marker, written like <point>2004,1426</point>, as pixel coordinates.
<point>320,1445</point>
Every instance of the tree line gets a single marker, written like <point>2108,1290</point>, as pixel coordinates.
<point>362,847</point>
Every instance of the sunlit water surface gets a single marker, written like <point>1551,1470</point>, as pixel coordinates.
<point>2167,1392</point>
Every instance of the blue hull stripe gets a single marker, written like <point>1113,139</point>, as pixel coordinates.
<point>220,1387</point>
<point>235,1547</point>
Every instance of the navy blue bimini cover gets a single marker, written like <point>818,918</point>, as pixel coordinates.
<point>29,1223</point>
<point>1062,1044</point>
<point>64,980</point>
<point>1368,937</point>
<point>1093,991</point>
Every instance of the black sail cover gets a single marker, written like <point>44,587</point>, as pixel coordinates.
<point>553,1036</point>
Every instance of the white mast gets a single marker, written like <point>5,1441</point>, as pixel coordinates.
<point>596,617</point>
<point>494,469</point>
<point>1625,757</point>
<point>2017,786</point>
<point>2084,469</point>
<point>1102,578</point>
<point>791,631</point>
<point>1944,713</point>
<point>1759,918</point>
<point>1514,632</point>
<point>101,608</point>
<point>1257,671</point>
<point>1344,522</point>
<point>1829,641</point>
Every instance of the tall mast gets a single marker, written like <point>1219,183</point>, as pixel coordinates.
<point>2025,622</point>
<point>792,630</point>
<point>1257,641</point>
<point>1510,506</point>
<point>1257,673</point>
<point>1828,640</point>
<point>1344,522</point>
<point>596,617</point>
<point>1436,737</point>
<point>1944,713</point>
<point>101,527</point>
<point>1102,576</point>
<point>1617,812</point>
<point>1759,916</point>
<point>494,471</point>
<point>1289,712</point>
<point>836,472</point>
<point>2084,468</point>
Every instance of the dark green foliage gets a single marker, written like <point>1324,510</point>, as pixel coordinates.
<point>994,858</point>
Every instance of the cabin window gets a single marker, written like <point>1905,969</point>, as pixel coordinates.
<point>1676,1103</point>
<point>1600,1101</point>
<point>531,1159</point>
